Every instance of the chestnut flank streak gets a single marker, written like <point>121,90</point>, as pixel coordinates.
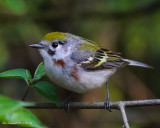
<point>59,63</point>
<point>74,73</point>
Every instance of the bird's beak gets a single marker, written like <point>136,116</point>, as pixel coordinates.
<point>39,46</point>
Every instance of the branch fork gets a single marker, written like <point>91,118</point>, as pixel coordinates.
<point>119,105</point>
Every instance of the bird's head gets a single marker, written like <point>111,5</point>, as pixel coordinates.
<point>56,45</point>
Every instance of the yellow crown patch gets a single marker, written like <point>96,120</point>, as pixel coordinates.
<point>55,35</point>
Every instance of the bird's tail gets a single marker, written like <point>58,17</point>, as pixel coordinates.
<point>136,63</point>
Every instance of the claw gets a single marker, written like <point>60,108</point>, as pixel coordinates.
<point>67,102</point>
<point>107,105</point>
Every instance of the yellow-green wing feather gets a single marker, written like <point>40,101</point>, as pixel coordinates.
<point>97,58</point>
<point>103,59</point>
<point>88,44</point>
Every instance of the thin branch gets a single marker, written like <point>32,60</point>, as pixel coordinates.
<point>124,116</point>
<point>96,105</point>
<point>120,105</point>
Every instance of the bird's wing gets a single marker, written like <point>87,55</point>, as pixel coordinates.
<point>81,56</point>
<point>98,60</point>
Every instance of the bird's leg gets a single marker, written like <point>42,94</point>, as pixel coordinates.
<point>67,102</point>
<point>107,102</point>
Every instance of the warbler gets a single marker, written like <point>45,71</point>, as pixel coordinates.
<point>79,64</point>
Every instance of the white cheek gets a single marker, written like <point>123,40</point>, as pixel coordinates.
<point>44,54</point>
<point>62,52</point>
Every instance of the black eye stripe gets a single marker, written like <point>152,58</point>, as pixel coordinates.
<point>55,44</point>
<point>50,52</point>
<point>61,42</point>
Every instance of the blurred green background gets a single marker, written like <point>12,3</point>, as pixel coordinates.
<point>131,27</point>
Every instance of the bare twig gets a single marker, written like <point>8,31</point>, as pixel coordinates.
<point>119,105</point>
<point>124,116</point>
<point>96,105</point>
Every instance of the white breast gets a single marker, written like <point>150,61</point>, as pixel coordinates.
<point>95,79</point>
<point>87,79</point>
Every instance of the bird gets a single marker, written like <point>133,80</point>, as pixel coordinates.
<point>79,64</point>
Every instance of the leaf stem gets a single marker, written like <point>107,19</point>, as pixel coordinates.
<point>26,92</point>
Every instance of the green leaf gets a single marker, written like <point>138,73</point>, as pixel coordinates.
<point>17,73</point>
<point>40,72</point>
<point>48,91</point>
<point>12,112</point>
<point>24,117</point>
<point>7,105</point>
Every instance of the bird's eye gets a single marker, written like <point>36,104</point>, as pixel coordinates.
<point>54,44</point>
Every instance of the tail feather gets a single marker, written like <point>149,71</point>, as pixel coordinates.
<point>136,63</point>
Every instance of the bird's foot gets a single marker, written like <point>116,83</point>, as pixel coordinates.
<point>107,104</point>
<point>67,104</point>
